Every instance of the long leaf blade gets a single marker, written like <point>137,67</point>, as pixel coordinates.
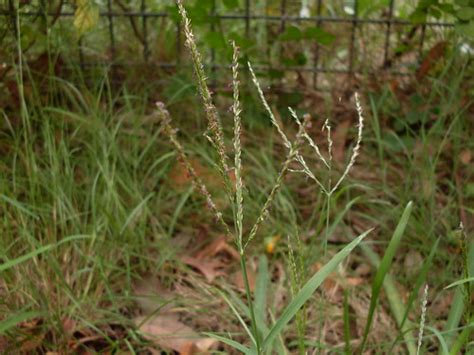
<point>230,342</point>
<point>18,318</point>
<point>443,346</point>
<point>36,252</point>
<point>308,289</point>
<point>239,317</point>
<point>384,267</point>
<point>460,282</point>
<point>261,287</point>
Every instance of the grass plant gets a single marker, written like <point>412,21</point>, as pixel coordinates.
<point>88,209</point>
<point>259,344</point>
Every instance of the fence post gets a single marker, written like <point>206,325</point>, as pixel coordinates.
<point>353,37</point>
<point>422,41</point>
<point>387,34</point>
<point>213,51</point>
<point>144,30</point>
<point>111,29</point>
<point>12,10</point>
<point>247,18</point>
<point>316,50</point>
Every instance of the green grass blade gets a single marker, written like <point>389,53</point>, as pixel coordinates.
<point>462,339</point>
<point>244,309</point>
<point>238,303</point>
<point>347,324</point>
<point>457,305</point>
<point>135,212</point>
<point>460,282</point>
<point>239,317</point>
<point>443,346</point>
<point>9,323</point>
<point>179,209</point>
<point>308,289</point>
<point>261,287</point>
<point>421,279</point>
<point>454,316</point>
<point>395,302</point>
<point>230,342</point>
<point>10,263</point>
<point>383,270</point>
<point>406,329</point>
<point>20,206</point>
<point>340,216</point>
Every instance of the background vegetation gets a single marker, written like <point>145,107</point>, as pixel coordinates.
<point>107,247</point>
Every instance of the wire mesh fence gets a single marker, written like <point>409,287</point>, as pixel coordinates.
<point>280,36</point>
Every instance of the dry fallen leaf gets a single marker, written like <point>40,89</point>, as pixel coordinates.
<point>32,344</point>
<point>151,295</point>
<point>432,58</point>
<point>340,137</point>
<point>179,177</point>
<point>441,305</point>
<point>169,333</point>
<point>84,340</point>
<point>334,285</point>
<point>465,156</point>
<point>354,281</point>
<point>413,262</point>
<point>238,279</point>
<point>208,267</point>
<point>3,344</point>
<point>332,289</point>
<point>211,260</point>
<point>363,269</point>
<point>217,246</point>
<point>69,325</point>
<point>179,180</point>
<point>330,284</point>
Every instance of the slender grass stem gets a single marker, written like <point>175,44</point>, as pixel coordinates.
<point>329,190</point>
<point>328,212</point>
<point>276,187</point>
<point>248,292</point>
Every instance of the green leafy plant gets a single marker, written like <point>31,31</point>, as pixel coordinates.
<point>86,16</point>
<point>461,10</point>
<point>294,33</point>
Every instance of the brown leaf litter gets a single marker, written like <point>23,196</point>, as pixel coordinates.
<point>162,322</point>
<point>168,332</point>
<point>213,260</point>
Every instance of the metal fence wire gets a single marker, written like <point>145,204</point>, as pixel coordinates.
<point>140,19</point>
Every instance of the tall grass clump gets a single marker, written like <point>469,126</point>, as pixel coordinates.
<point>75,208</point>
<point>261,336</point>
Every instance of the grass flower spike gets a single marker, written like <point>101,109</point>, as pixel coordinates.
<point>355,150</point>
<point>214,125</point>
<point>423,319</point>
